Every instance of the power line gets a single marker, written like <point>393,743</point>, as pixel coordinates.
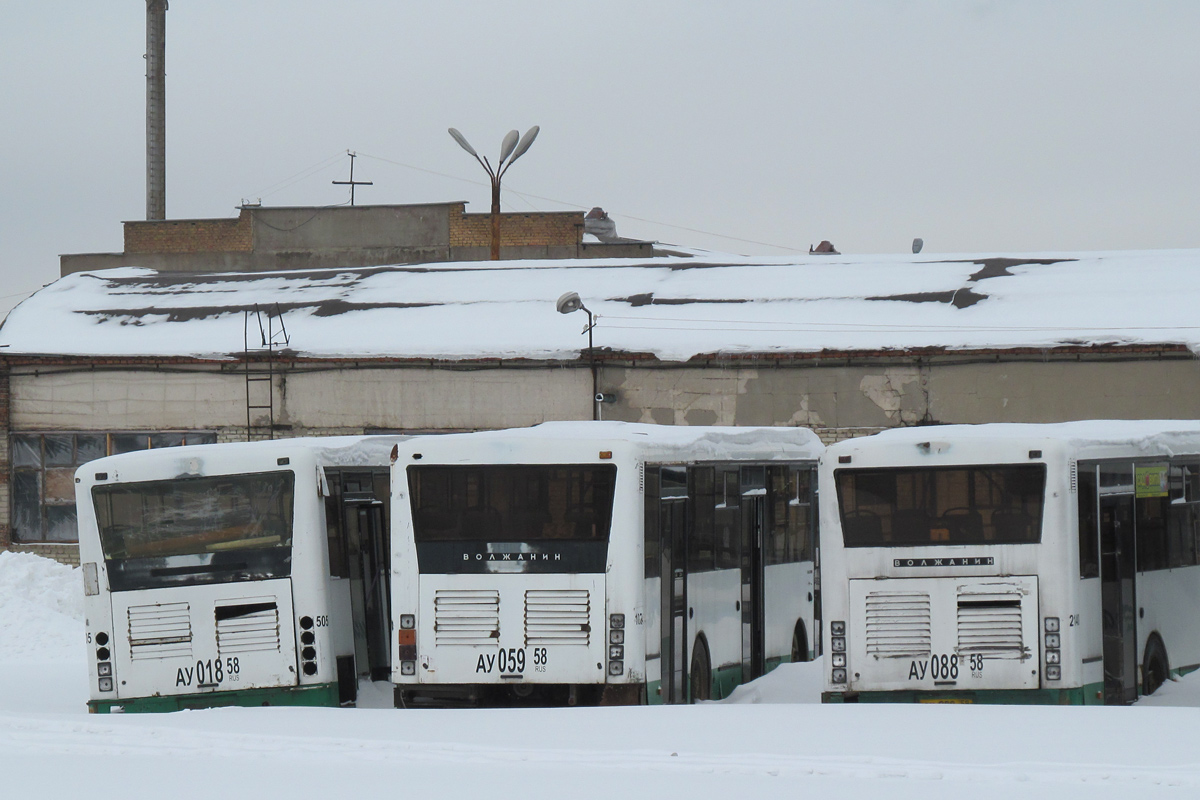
<point>299,176</point>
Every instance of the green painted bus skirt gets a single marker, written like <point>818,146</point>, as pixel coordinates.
<point>325,694</point>
<point>1091,694</point>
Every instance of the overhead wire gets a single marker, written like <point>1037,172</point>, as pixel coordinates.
<point>299,176</point>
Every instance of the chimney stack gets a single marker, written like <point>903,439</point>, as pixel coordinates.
<point>156,109</point>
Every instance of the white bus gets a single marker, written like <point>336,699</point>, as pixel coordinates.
<point>1012,563</point>
<point>236,574</point>
<point>601,562</point>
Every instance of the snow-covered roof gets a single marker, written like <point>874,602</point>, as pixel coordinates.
<point>680,443</point>
<point>1084,438</point>
<point>674,308</point>
<point>327,451</point>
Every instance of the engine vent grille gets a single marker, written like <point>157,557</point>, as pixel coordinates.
<point>898,625</point>
<point>557,616</point>
<point>162,630</point>
<point>247,626</point>
<point>990,623</point>
<point>466,617</point>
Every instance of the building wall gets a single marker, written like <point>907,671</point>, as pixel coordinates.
<point>555,228</point>
<point>287,238</point>
<point>835,396</point>
<point>313,230</point>
<point>838,399</point>
<point>348,400</point>
<point>190,235</point>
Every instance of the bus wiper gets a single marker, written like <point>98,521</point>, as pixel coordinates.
<point>162,572</point>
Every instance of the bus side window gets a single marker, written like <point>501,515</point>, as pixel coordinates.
<point>1150,526</point>
<point>781,544</point>
<point>726,496</point>
<point>701,549</point>
<point>334,530</point>
<point>651,533</point>
<point>805,518</point>
<point>1089,542</point>
<point>1182,515</point>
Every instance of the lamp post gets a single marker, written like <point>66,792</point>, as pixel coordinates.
<point>512,148</point>
<point>568,304</point>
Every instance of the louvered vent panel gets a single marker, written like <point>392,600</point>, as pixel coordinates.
<point>162,630</point>
<point>990,623</point>
<point>249,626</point>
<point>898,624</point>
<point>466,617</point>
<point>557,616</point>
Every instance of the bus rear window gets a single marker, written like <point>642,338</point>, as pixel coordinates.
<point>913,507</point>
<point>196,530</point>
<point>511,503</point>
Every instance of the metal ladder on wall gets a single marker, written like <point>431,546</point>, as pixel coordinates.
<point>260,365</point>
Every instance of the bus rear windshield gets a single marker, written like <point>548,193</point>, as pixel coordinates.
<point>912,507</point>
<point>196,530</point>
<point>512,503</point>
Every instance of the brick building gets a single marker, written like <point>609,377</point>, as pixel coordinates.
<point>263,238</point>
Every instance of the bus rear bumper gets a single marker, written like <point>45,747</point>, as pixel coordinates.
<point>325,694</point>
<point>443,695</point>
<point>1078,696</point>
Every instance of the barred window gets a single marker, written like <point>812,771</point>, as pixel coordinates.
<point>43,475</point>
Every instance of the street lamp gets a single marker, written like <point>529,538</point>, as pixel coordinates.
<point>570,303</point>
<point>512,148</point>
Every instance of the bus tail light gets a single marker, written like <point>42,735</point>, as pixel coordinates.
<point>407,639</point>
<point>103,666</point>
<point>308,654</point>
<point>616,644</point>
<point>838,656</point>
<point>1052,649</point>
<point>104,670</point>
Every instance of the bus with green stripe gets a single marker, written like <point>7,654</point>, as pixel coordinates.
<point>236,574</point>
<point>601,562</point>
<point>1012,563</point>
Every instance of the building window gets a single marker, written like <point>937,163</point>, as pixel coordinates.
<point>43,475</point>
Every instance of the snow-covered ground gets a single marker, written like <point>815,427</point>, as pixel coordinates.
<point>772,739</point>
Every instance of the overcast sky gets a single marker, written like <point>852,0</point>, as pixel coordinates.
<point>753,127</point>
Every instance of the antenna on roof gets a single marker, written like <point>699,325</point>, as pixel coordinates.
<point>918,243</point>
<point>352,183</point>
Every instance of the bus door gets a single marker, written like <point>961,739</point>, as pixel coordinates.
<point>1117,601</point>
<point>673,536</point>
<point>370,589</point>
<point>754,510</point>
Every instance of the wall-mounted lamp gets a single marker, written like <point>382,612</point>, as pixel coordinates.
<point>568,304</point>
